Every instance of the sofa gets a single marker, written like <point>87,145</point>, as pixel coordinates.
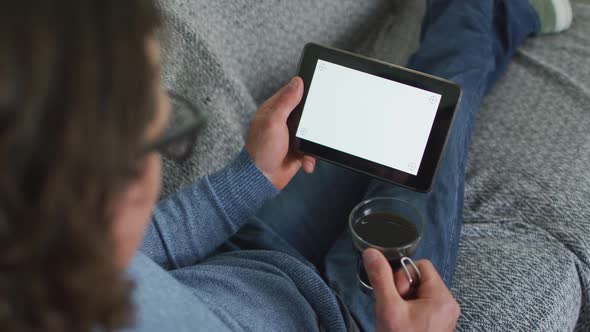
<point>524,257</point>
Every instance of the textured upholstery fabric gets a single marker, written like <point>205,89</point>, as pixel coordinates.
<point>525,255</point>
<point>228,56</point>
<point>524,260</point>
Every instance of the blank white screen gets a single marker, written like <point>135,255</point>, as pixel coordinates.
<point>368,116</point>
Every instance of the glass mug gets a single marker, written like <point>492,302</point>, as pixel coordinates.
<point>392,226</point>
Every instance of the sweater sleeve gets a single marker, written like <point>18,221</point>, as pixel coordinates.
<point>188,225</point>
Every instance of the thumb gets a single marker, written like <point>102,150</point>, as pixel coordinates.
<point>285,101</point>
<point>381,278</point>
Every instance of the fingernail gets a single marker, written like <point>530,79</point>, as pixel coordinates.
<point>370,256</point>
<point>309,164</point>
<point>294,83</point>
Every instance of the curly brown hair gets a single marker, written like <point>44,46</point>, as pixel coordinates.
<point>77,92</point>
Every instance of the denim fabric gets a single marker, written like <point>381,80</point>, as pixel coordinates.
<point>468,42</point>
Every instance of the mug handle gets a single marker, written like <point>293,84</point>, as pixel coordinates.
<point>414,283</point>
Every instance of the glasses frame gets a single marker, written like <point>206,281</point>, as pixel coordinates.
<point>186,132</point>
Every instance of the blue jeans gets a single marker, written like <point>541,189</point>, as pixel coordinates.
<point>468,42</point>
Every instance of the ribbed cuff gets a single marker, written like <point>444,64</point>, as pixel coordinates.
<point>241,188</point>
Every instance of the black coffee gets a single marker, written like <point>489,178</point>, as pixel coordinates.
<point>386,230</point>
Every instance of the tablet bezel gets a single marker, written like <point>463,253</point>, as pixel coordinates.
<point>437,140</point>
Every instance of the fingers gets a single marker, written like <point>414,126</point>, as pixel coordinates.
<point>432,284</point>
<point>402,283</point>
<point>291,166</point>
<point>308,164</point>
<point>285,100</point>
<point>433,288</point>
<point>381,278</point>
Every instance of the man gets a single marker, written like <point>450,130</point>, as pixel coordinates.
<point>83,118</point>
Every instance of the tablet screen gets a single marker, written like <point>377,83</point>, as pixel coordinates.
<point>367,116</point>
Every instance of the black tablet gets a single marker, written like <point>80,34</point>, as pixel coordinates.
<point>384,120</point>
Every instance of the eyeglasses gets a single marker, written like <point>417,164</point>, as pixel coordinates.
<point>184,125</point>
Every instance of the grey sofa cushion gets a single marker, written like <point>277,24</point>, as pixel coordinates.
<point>525,253</point>
<point>228,56</point>
<point>524,260</point>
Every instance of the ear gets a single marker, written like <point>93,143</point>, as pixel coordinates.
<point>130,198</point>
<point>131,210</point>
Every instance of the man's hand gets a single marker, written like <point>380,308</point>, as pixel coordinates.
<point>434,308</point>
<point>268,139</point>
